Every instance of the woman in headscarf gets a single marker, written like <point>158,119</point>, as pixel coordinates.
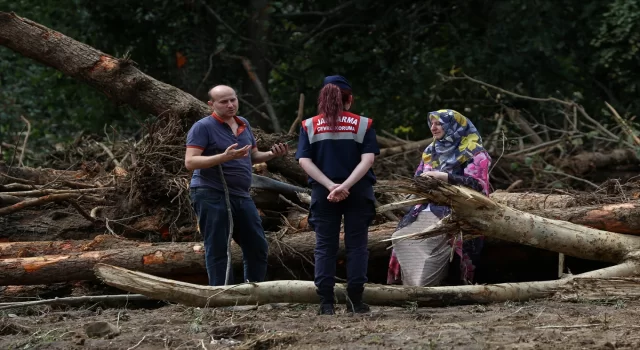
<point>456,156</point>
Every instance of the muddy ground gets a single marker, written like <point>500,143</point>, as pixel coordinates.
<point>546,324</point>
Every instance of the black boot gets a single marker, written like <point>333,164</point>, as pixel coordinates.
<point>326,302</point>
<point>326,309</point>
<point>354,301</point>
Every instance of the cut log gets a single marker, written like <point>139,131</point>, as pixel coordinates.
<point>619,218</point>
<point>584,163</point>
<point>533,201</point>
<point>165,260</point>
<point>162,259</point>
<point>41,248</point>
<point>298,220</point>
<point>305,292</point>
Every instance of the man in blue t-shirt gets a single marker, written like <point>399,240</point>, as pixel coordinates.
<point>224,140</point>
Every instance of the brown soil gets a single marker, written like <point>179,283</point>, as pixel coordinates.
<point>532,325</point>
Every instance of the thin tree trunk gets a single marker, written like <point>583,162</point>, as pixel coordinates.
<point>305,291</point>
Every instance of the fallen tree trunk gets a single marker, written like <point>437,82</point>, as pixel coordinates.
<point>41,248</point>
<point>305,291</point>
<point>116,78</point>
<point>70,262</point>
<point>618,218</point>
<point>475,212</point>
<point>584,163</point>
<point>165,260</point>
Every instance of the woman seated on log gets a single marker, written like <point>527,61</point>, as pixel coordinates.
<point>456,156</point>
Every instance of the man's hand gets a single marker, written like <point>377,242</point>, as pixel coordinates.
<point>279,150</point>
<point>337,193</point>
<point>442,176</point>
<point>231,153</point>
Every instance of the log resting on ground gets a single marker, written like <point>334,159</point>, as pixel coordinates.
<point>611,289</point>
<point>305,291</point>
<point>67,263</point>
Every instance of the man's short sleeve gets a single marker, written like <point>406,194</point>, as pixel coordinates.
<point>304,147</point>
<point>370,143</point>
<point>198,136</point>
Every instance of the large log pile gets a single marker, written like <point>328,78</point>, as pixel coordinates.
<point>136,191</point>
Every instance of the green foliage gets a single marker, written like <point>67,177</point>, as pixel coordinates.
<point>392,52</point>
<point>618,43</point>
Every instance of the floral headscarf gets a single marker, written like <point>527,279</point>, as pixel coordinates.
<point>460,143</point>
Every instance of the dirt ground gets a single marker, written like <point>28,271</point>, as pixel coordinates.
<point>547,324</point>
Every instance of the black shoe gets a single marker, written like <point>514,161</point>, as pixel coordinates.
<point>354,300</point>
<point>358,308</point>
<point>326,309</point>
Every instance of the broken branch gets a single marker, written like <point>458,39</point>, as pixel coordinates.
<point>35,202</point>
<point>24,143</point>
<point>51,191</point>
<point>417,145</point>
<point>76,300</point>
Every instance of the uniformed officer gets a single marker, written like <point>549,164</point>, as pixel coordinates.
<point>337,149</point>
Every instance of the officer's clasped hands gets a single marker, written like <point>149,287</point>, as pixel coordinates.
<point>338,192</point>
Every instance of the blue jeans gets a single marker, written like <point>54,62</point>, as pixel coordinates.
<point>325,219</point>
<point>211,209</point>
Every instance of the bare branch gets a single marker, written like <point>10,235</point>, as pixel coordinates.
<point>26,137</point>
<point>294,125</point>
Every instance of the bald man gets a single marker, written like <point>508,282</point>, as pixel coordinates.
<point>225,140</point>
